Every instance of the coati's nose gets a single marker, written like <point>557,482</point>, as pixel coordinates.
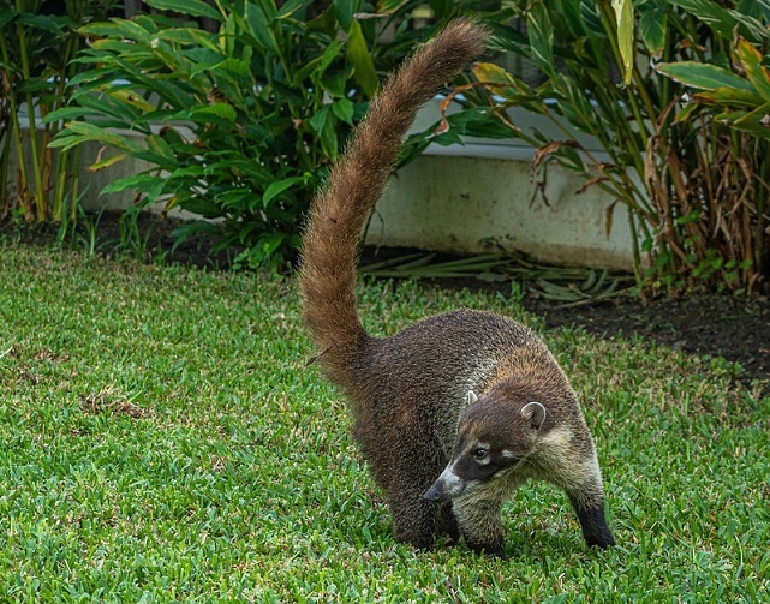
<point>435,493</point>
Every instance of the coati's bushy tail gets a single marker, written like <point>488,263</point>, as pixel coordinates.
<point>356,181</point>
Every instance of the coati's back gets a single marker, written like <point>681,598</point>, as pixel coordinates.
<point>437,360</point>
<point>431,394</point>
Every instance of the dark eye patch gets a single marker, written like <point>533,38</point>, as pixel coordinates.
<point>468,468</point>
<point>480,453</point>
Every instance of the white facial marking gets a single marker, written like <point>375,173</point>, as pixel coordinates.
<point>453,484</point>
<point>470,397</point>
<point>507,454</point>
<point>471,484</point>
<point>557,442</point>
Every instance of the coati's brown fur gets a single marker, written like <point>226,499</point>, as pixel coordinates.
<point>464,405</point>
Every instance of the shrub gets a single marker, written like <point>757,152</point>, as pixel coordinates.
<point>37,42</point>
<point>694,189</point>
<point>251,115</point>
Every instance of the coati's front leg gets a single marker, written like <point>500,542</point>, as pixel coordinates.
<point>587,499</point>
<point>446,523</point>
<point>590,513</point>
<point>480,521</point>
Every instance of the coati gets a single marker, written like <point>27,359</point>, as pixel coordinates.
<point>455,411</point>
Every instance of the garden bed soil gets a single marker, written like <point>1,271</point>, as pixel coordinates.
<point>734,327</point>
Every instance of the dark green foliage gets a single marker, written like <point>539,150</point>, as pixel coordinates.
<point>38,39</point>
<point>250,115</point>
<point>694,183</point>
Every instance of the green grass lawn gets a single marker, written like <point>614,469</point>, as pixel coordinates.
<point>162,439</point>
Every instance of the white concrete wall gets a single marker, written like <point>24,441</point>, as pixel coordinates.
<point>471,204</point>
<point>480,197</point>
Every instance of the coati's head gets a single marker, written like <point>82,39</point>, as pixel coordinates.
<point>494,437</point>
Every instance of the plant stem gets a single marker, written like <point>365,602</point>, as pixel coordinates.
<point>40,204</point>
<point>23,188</point>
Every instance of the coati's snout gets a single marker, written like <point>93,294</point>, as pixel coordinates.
<point>491,440</point>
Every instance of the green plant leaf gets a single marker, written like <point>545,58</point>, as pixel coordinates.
<point>752,63</point>
<point>196,227</point>
<point>757,122</point>
<point>711,13</point>
<point>329,140</point>
<point>65,113</point>
<point>188,37</point>
<point>49,23</point>
<point>195,170</point>
<point>107,162</point>
<point>259,24</point>
<point>138,181</point>
<point>358,55</point>
<point>279,187</point>
<point>289,7</point>
<point>755,29</point>
<point>216,112</point>
<point>192,8</point>
<point>318,66</point>
<point>730,97</point>
<point>624,16</point>
<point>724,21</point>
<point>8,15</point>
<point>158,146</point>
<point>319,119</point>
<point>124,31</point>
<point>687,112</point>
<point>702,75</point>
<point>344,10</point>
<point>570,18</point>
<point>131,98</point>
<point>491,73</point>
<point>237,67</point>
<point>385,7</point>
<point>87,131</point>
<point>653,24</point>
<point>541,38</point>
<point>343,109</point>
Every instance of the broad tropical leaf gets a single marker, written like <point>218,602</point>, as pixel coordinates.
<point>193,8</point>
<point>703,75</point>
<point>624,15</point>
<point>359,57</point>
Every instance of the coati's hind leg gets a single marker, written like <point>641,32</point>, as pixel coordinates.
<point>407,473</point>
<point>481,524</point>
<point>414,518</point>
<point>420,522</point>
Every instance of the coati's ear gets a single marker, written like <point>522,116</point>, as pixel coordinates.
<point>470,397</point>
<point>534,413</point>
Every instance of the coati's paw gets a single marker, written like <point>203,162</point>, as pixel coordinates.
<point>595,529</point>
<point>446,526</point>
<point>493,550</point>
<point>602,540</point>
<point>419,543</point>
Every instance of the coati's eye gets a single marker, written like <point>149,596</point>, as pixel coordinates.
<point>480,453</point>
